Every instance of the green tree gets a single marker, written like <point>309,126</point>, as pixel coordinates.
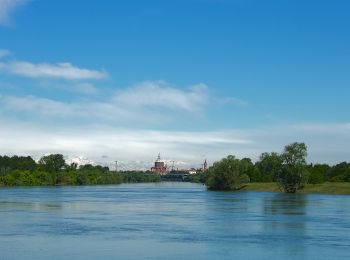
<point>318,173</point>
<point>248,168</point>
<point>227,174</point>
<point>340,172</point>
<point>8,164</point>
<point>269,166</point>
<point>72,167</point>
<point>199,177</point>
<point>292,174</point>
<point>52,162</point>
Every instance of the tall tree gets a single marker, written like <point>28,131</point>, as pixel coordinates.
<point>293,171</point>
<point>269,166</point>
<point>52,162</point>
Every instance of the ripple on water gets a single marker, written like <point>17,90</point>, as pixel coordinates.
<point>170,220</point>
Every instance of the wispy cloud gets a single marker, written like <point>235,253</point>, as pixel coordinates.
<point>144,103</point>
<point>34,105</point>
<point>129,144</point>
<point>4,52</point>
<point>7,7</point>
<point>61,70</point>
<point>56,71</point>
<point>125,144</point>
<point>161,94</point>
<point>146,94</point>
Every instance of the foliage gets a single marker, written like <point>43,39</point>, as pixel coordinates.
<point>8,164</point>
<point>318,173</point>
<point>339,173</point>
<point>51,170</point>
<point>199,177</point>
<point>293,170</point>
<point>268,166</point>
<point>247,167</point>
<point>227,174</point>
<point>52,162</point>
<point>43,178</point>
<point>26,178</point>
<point>288,169</point>
<point>138,176</point>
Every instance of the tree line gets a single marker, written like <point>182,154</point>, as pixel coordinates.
<point>52,170</point>
<point>289,169</point>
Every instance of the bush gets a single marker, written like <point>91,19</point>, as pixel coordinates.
<point>227,174</point>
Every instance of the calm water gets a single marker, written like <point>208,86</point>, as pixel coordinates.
<point>172,221</point>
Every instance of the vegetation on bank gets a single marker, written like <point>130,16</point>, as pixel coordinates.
<point>286,172</point>
<point>138,177</point>
<point>199,177</point>
<point>52,170</point>
<point>228,174</point>
<point>287,169</point>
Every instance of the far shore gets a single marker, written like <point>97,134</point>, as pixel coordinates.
<point>339,188</point>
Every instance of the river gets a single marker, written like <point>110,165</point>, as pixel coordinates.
<point>170,221</point>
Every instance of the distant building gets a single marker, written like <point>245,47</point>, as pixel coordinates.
<point>159,166</point>
<point>205,166</point>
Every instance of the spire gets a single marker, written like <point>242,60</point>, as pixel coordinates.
<point>158,158</point>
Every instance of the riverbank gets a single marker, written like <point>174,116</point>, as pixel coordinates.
<point>324,188</point>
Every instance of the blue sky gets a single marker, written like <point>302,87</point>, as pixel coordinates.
<point>191,79</point>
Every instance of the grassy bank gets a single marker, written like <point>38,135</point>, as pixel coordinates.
<point>324,188</point>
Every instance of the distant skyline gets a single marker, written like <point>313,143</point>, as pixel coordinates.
<point>191,79</point>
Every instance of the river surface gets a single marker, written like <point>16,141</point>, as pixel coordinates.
<point>170,221</point>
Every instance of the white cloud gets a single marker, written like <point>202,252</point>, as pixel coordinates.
<point>7,7</point>
<point>160,94</point>
<point>4,52</point>
<point>130,145</point>
<point>72,88</point>
<point>62,70</point>
<point>31,104</point>
<point>145,103</point>
<point>57,71</point>
<point>123,144</point>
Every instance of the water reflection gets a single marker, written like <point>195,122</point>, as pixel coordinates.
<point>286,222</point>
<point>232,202</point>
<point>170,221</point>
<point>285,204</point>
